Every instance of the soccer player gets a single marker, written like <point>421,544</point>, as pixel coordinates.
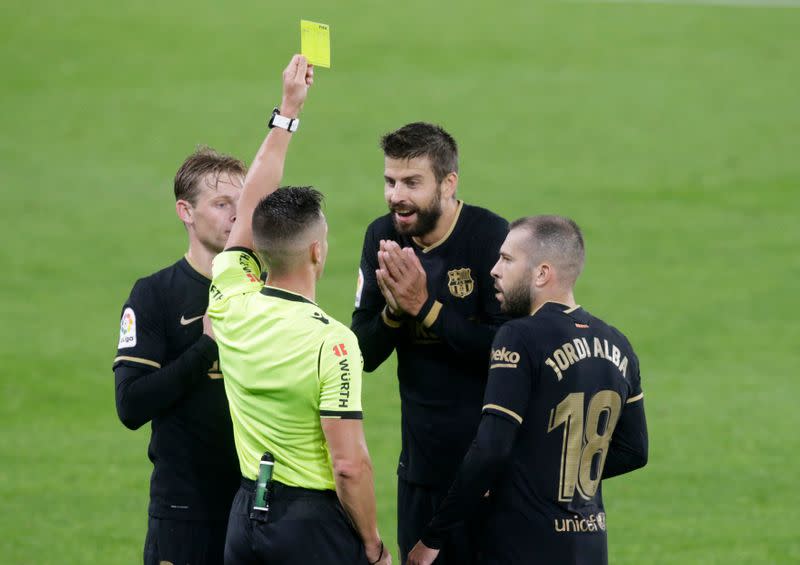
<point>292,373</point>
<point>425,291</point>
<point>563,411</point>
<point>166,372</point>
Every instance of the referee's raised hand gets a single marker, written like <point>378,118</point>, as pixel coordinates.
<point>297,77</point>
<point>266,169</point>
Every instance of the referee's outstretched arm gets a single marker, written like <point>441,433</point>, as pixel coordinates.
<point>266,171</point>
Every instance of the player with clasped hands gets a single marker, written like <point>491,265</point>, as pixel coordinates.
<point>425,291</point>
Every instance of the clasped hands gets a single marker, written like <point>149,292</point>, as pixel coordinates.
<point>401,278</point>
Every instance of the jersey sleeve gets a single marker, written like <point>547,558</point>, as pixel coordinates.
<point>376,329</point>
<point>630,371</point>
<point>141,329</point>
<point>634,381</point>
<point>629,445</point>
<point>340,376</point>
<point>235,271</point>
<point>508,389</point>
<point>368,295</point>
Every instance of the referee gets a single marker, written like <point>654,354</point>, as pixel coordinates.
<point>292,373</point>
<point>563,410</point>
<point>166,373</point>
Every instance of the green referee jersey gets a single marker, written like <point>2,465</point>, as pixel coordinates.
<point>286,364</point>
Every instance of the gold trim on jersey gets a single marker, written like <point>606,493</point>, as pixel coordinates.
<point>388,321</point>
<point>511,413</point>
<point>446,235</point>
<point>214,372</point>
<point>635,398</point>
<point>567,311</point>
<point>430,319</point>
<point>138,360</point>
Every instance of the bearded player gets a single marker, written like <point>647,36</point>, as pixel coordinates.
<point>425,292</point>
<point>563,411</point>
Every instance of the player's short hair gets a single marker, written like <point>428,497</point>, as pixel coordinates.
<point>281,220</point>
<point>204,161</point>
<point>421,139</point>
<point>556,239</point>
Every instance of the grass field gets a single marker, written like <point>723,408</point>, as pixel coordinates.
<point>669,132</point>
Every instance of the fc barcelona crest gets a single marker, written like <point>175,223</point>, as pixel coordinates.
<point>460,282</point>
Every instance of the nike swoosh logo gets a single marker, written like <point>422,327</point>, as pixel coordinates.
<point>186,322</point>
<point>320,317</point>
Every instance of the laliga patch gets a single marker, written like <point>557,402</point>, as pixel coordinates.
<point>127,329</point>
<point>359,287</point>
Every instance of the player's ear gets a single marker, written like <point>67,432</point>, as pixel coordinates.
<point>449,185</point>
<point>316,253</point>
<point>542,274</point>
<point>185,211</point>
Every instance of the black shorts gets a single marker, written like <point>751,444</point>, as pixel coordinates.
<point>183,542</point>
<point>304,526</point>
<point>416,505</point>
<point>511,539</point>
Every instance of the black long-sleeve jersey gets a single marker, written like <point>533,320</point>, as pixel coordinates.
<point>563,410</point>
<point>442,353</point>
<point>166,371</point>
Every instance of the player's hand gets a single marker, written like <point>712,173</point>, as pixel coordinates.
<point>422,555</point>
<point>378,554</point>
<point>297,77</point>
<point>381,275</point>
<point>208,329</point>
<point>406,280</point>
<point>391,301</point>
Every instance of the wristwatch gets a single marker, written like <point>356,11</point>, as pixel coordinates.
<point>278,121</point>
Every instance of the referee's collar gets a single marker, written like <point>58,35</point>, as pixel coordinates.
<point>284,294</point>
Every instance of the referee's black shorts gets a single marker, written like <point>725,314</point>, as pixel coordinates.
<point>304,526</point>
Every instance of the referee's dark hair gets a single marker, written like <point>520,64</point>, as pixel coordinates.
<point>203,162</point>
<point>556,239</point>
<point>421,139</point>
<point>282,220</point>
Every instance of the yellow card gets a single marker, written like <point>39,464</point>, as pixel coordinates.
<point>315,43</point>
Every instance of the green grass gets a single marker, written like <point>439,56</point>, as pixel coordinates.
<point>668,132</point>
